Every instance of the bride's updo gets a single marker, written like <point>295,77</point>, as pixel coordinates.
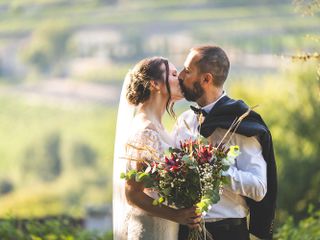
<point>140,79</point>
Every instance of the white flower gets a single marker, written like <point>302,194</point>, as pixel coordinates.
<point>228,161</point>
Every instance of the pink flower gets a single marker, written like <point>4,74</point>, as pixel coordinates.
<point>204,154</point>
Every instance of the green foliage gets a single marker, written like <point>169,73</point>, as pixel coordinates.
<point>83,155</point>
<point>44,159</point>
<point>306,229</point>
<point>307,7</point>
<point>35,136</point>
<point>301,171</point>
<point>48,45</point>
<point>103,74</point>
<point>60,229</point>
<point>135,42</point>
<point>6,186</point>
<point>46,20</point>
<point>290,105</point>
<point>9,231</point>
<point>37,200</point>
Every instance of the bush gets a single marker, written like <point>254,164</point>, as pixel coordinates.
<point>48,46</point>
<point>290,106</point>
<point>51,229</point>
<point>6,186</point>
<point>84,155</point>
<point>44,159</point>
<point>306,229</point>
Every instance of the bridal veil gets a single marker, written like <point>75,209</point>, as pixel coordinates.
<point>124,120</point>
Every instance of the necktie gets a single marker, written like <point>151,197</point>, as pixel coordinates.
<point>198,111</point>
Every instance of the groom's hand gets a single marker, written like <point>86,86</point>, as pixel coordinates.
<point>188,216</point>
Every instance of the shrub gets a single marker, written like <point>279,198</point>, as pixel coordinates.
<point>84,155</point>
<point>44,159</point>
<point>6,186</point>
<point>50,229</point>
<point>306,229</point>
<point>47,46</point>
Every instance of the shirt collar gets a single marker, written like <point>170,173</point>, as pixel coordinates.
<point>208,107</point>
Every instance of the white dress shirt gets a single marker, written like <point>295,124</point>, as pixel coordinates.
<point>248,176</point>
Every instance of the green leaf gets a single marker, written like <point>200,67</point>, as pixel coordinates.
<point>188,160</point>
<point>225,168</point>
<point>161,200</point>
<point>166,191</point>
<point>143,176</point>
<point>192,167</point>
<point>226,180</point>
<point>204,140</point>
<point>171,150</point>
<point>200,204</point>
<point>215,196</point>
<point>131,174</point>
<point>155,202</point>
<point>203,205</point>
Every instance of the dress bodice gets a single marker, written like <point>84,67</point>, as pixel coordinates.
<point>146,144</point>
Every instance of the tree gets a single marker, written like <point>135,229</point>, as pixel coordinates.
<point>308,7</point>
<point>290,105</point>
<point>83,155</point>
<point>43,159</point>
<point>48,46</point>
<point>6,186</point>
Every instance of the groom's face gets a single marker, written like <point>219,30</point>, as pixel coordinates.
<point>189,78</point>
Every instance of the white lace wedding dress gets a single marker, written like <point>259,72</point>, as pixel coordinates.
<point>138,224</point>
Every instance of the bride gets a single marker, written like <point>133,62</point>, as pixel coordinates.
<point>149,90</point>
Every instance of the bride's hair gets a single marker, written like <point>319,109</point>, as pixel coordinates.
<point>140,81</point>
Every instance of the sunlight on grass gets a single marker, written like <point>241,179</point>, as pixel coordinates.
<point>25,126</point>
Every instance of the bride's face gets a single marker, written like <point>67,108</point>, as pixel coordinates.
<point>176,93</point>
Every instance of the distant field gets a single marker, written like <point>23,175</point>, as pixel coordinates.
<point>26,126</point>
<point>146,28</point>
<point>205,20</point>
<point>80,15</point>
<point>23,123</point>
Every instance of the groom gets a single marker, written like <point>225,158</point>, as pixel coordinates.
<point>253,180</point>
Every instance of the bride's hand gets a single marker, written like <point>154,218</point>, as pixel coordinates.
<point>188,216</point>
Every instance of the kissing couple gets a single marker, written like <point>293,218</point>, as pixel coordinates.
<point>149,90</point>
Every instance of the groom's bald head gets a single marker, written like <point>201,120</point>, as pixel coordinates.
<point>212,59</point>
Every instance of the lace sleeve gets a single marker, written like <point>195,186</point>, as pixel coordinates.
<point>144,145</point>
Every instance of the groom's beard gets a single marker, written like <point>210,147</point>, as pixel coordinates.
<point>191,94</point>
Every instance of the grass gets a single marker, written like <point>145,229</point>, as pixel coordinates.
<point>105,74</point>
<point>24,125</point>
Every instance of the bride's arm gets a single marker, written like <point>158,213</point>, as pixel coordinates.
<point>134,191</point>
<point>137,198</point>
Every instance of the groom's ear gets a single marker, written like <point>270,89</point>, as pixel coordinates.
<point>207,78</point>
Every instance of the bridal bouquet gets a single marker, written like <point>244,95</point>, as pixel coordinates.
<point>190,175</point>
